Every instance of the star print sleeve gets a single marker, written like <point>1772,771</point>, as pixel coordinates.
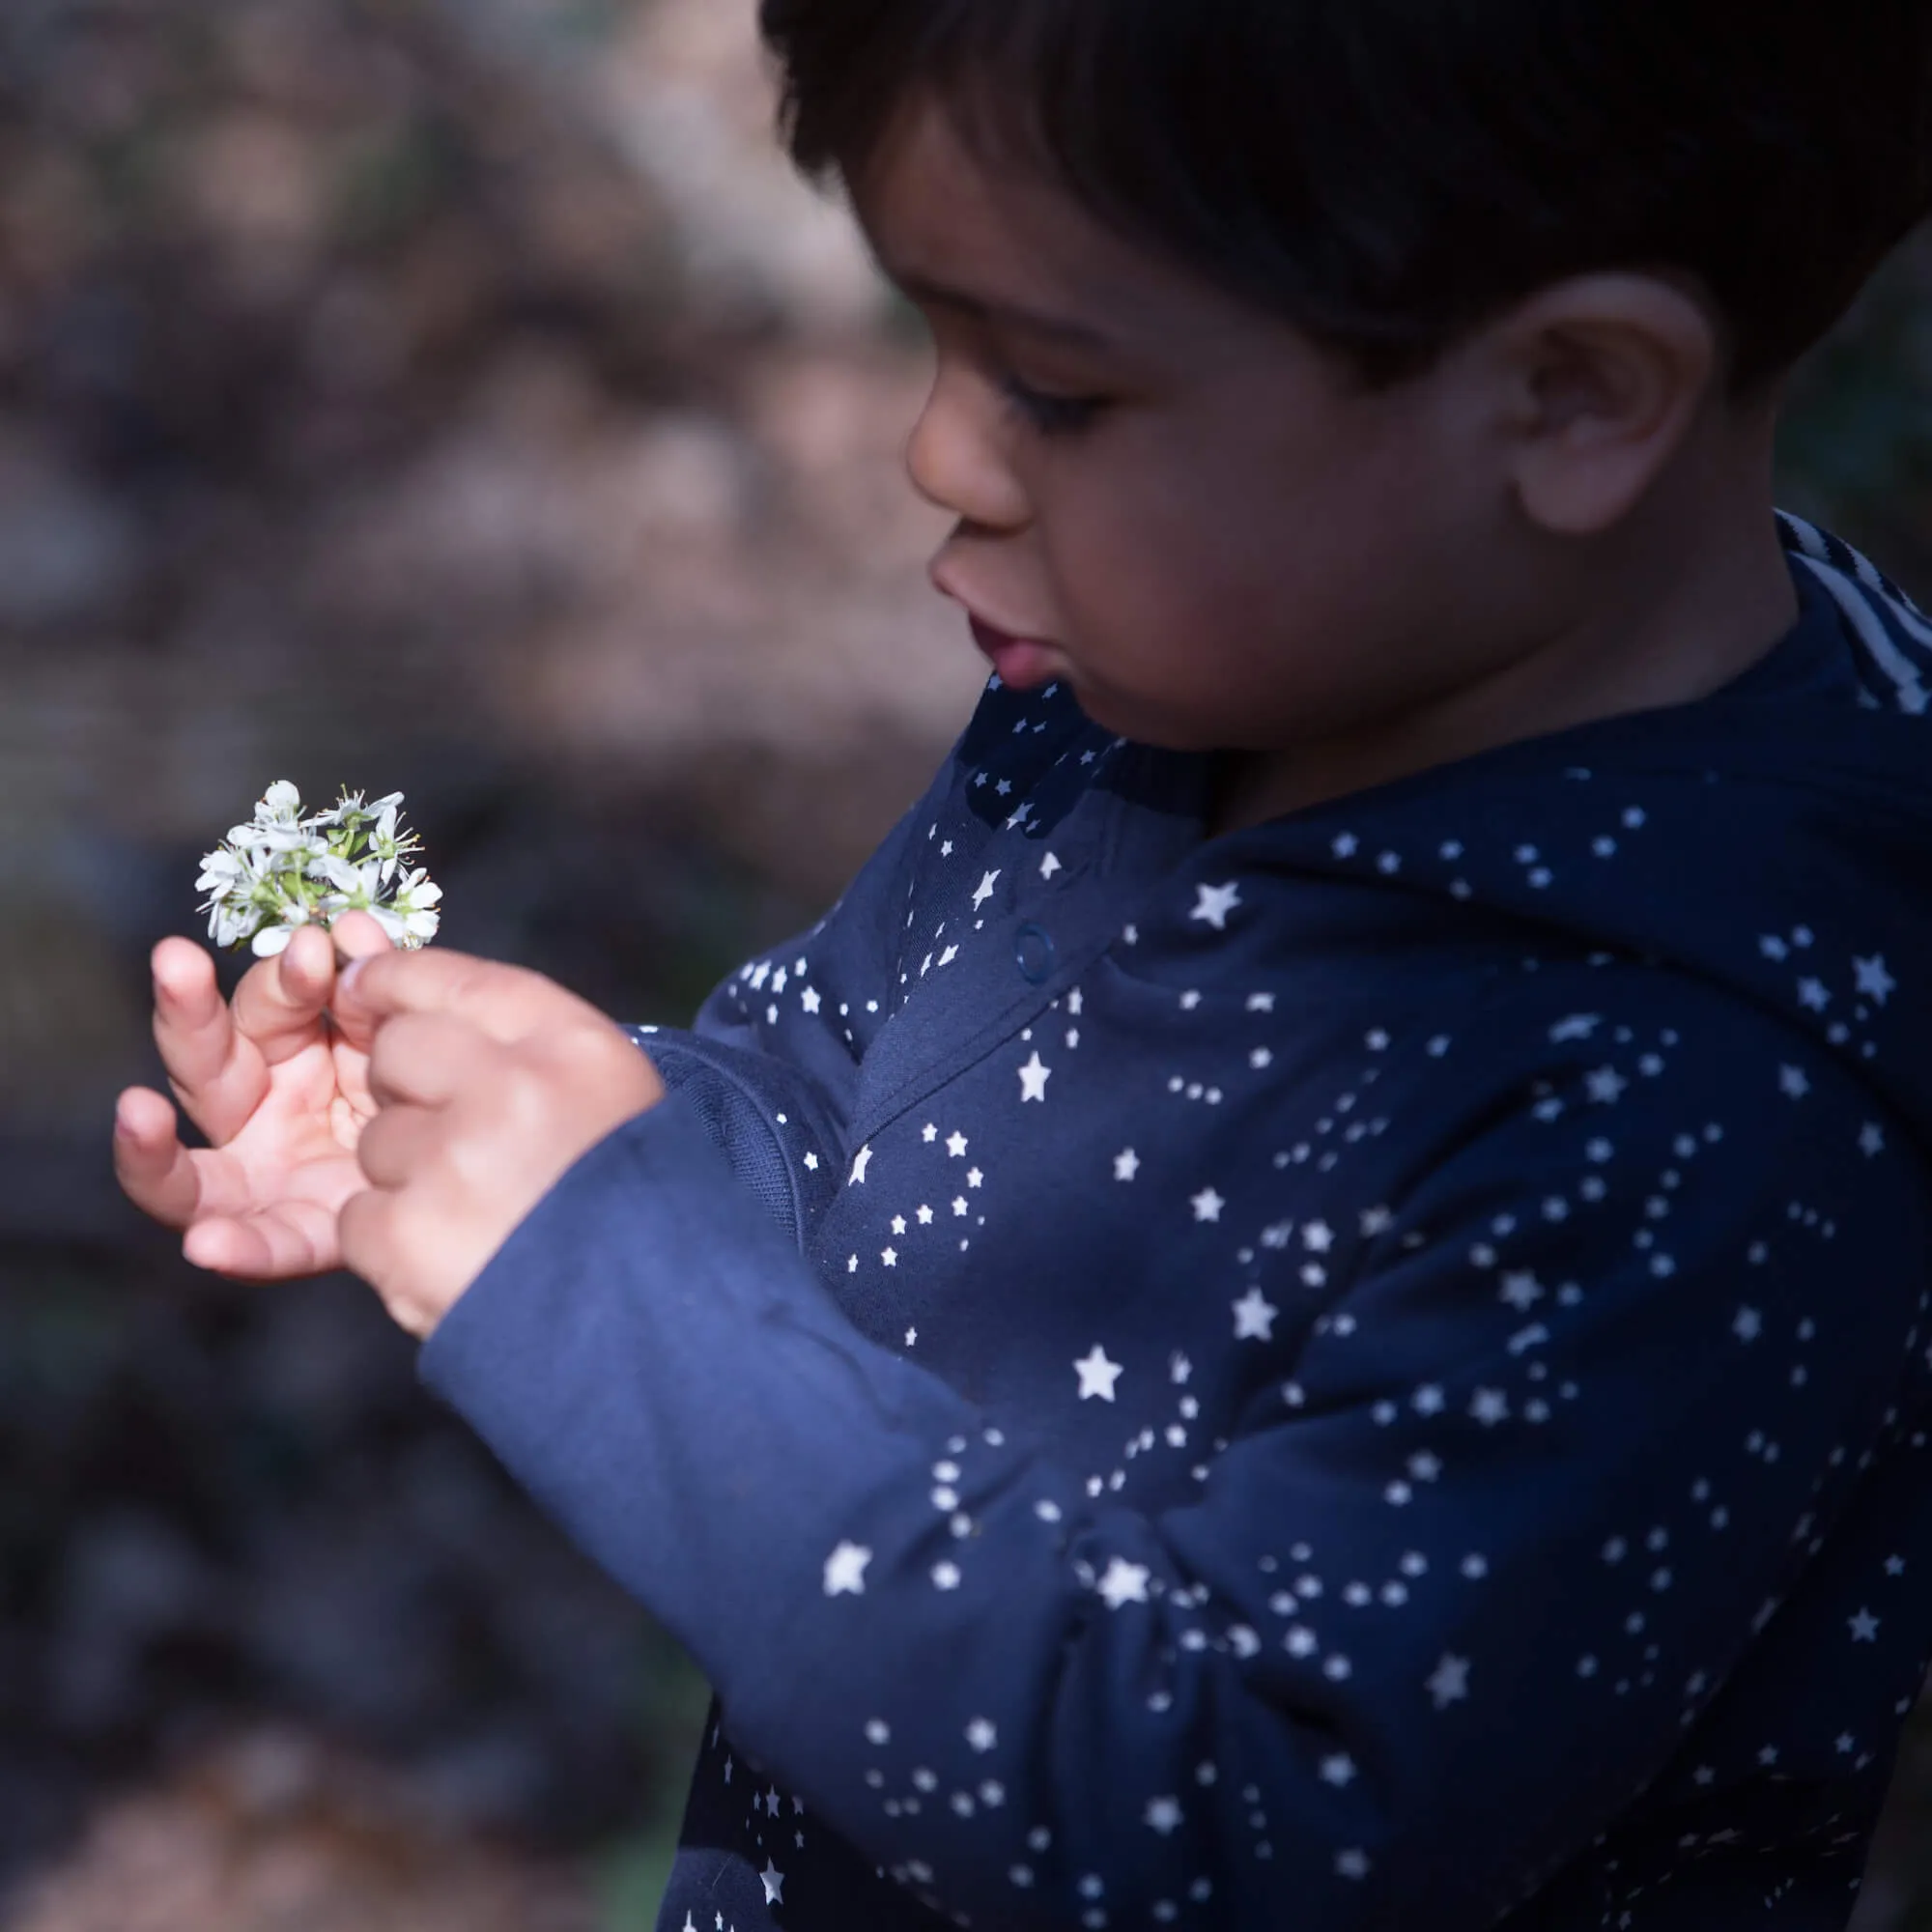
<point>1479,1540</point>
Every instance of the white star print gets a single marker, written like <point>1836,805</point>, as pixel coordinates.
<point>982,1735</point>
<point>845,1570</point>
<point>1319,1236</point>
<point>1049,865</point>
<point>1125,1583</point>
<point>1034,1076</point>
<point>773,1883</point>
<point>1521,1291</point>
<point>1216,903</point>
<point>1864,1626</point>
<point>1812,993</point>
<point>1208,1205</point>
<point>1489,1407</point>
<point>985,891</point>
<point>1605,1085</point>
<point>1894,1566</point>
<point>1254,1318</point>
<point>1338,1769</point>
<point>925,1216</point>
<point>1791,1080</point>
<point>1875,982</point>
<point>955,1146</point>
<point>1126,1164</point>
<point>1097,1375</point>
<point>1749,1325</point>
<point>1450,1681</point>
<point>1579,1026</point>
<point>1871,1139</point>
<point>860,1162</point>
<point>1351,1864</point>
<point>889,1257</point>
<point>809,1000</point>
<point>1163,1814</point>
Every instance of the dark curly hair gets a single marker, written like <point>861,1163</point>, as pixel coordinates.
<point>1389,174</point>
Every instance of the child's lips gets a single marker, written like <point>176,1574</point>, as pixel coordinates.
<point>1022,663</point>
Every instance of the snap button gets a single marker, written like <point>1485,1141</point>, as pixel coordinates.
<point>1034,949</point>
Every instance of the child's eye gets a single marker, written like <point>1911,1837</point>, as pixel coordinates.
<point>1049,413</point>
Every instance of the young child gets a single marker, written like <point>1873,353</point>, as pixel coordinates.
<point>1310,1305</point>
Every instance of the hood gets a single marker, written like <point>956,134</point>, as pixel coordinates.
<point>1775,837</point>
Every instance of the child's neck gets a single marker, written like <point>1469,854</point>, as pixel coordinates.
<point>1679,604</point>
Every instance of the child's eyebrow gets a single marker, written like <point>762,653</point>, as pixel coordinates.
<point>1062,329</point>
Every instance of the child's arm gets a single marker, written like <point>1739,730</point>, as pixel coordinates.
<point>1573,1495</point>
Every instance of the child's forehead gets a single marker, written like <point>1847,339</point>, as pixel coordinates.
<point>948,208</point>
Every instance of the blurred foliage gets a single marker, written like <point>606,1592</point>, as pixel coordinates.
<point>1856,452</point>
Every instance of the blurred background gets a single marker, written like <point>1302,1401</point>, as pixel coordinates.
<point>458,397</point>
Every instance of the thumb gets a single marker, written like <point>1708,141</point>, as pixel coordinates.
<point>356,937</point>
<point>505,1003</point>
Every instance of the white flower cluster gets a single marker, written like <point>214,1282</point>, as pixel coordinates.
<point>281,871</point>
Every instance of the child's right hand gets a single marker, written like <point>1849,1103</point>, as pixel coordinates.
<point>281,1094</point>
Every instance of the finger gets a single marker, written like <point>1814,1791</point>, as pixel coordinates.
<point>217,1085</point>
<point>297,1238</point>
<point>156,1172</point>
<point>279,1003</point>
<point>356,936</point>
<point>359,935</point>
<point>423,1058</point>
<point>397,1143</point>
<point>508,1002</point>
<point>373,1246</point>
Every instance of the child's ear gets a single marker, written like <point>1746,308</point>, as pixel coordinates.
<point>1604,376</point>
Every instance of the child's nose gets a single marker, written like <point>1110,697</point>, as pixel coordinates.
<point>955,459</point>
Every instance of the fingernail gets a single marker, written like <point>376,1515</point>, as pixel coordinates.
<point>349,973</point>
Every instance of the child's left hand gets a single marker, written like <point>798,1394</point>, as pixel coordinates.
<point>492,1081</point>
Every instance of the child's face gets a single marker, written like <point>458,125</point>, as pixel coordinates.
<point>1175,499</point>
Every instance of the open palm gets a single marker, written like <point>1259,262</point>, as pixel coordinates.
<point>280,1093</point>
